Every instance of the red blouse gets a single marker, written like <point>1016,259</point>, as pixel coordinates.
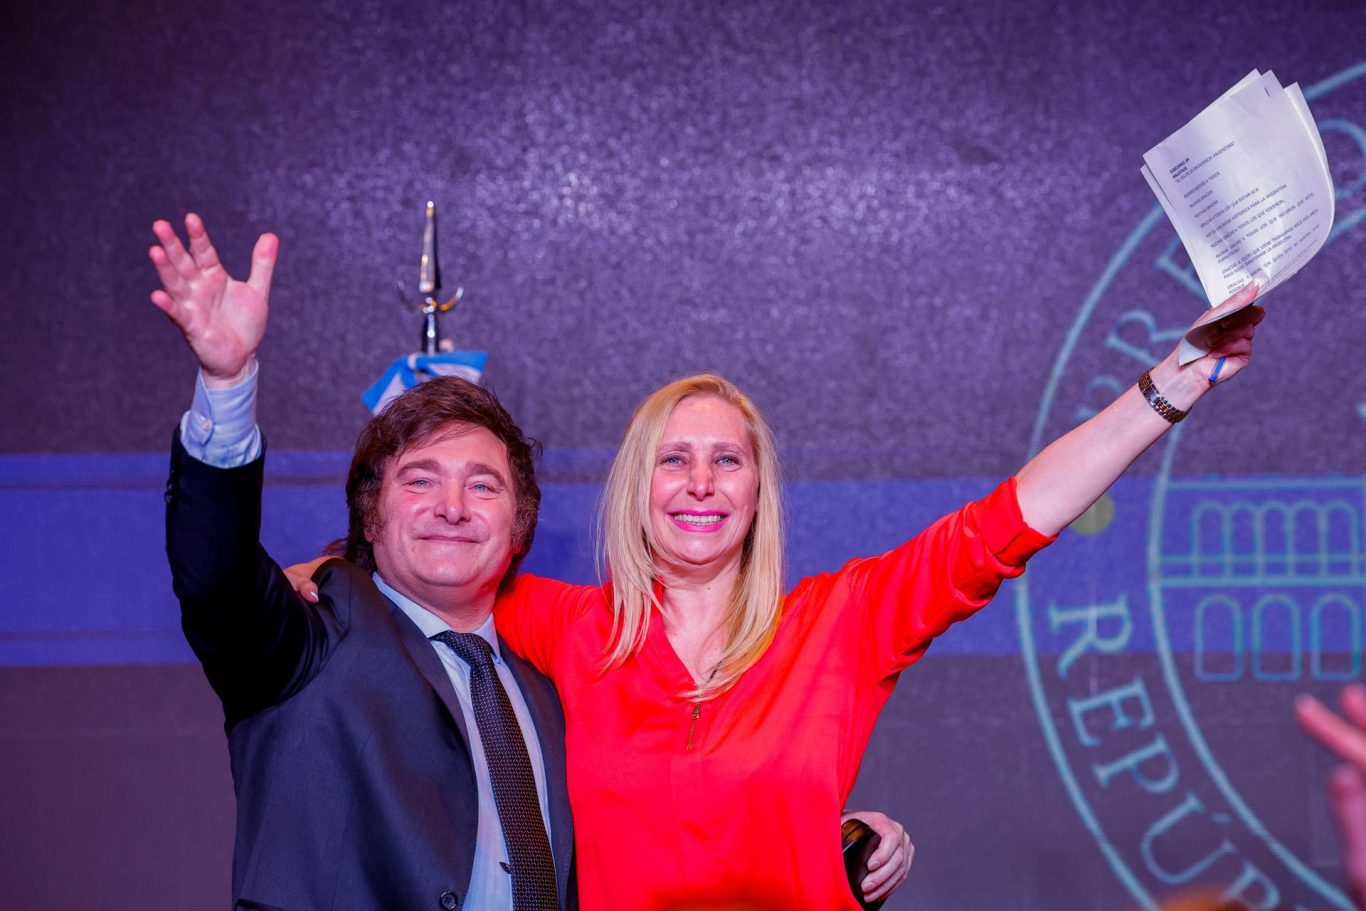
<point>746,815</point>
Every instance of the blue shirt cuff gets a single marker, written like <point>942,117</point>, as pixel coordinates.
<point>220,427</point>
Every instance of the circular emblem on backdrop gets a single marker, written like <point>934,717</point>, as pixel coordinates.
<point>1165,640</point>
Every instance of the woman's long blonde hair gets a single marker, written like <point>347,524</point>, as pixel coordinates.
<point>627,544</point>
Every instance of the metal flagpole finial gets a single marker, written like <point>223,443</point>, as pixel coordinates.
<point>429,273</point>
<point>428,283</point>
<point>435,356</point>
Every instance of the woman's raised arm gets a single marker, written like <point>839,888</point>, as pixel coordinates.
<point>1071,473</point>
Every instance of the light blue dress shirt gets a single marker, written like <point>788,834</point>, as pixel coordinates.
<point>220,430</point>
<point>220,427</point>
<point>490,884</point>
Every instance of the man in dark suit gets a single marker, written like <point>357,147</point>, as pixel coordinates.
<point>386,752</point>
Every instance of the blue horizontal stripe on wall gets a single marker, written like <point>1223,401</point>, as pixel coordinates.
<point>84,576</point>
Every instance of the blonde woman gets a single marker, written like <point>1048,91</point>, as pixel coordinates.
<point>714,724</point>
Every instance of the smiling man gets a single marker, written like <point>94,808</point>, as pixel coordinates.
<point>386,751</point>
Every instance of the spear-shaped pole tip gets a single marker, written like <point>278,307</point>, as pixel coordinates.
<point>429,275</point>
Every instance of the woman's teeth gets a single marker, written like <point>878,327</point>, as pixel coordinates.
<point>698,520</point>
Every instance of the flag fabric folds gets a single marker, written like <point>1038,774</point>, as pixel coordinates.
<point>406,372</point>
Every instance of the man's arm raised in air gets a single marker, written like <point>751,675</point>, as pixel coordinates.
<point>256,639</point>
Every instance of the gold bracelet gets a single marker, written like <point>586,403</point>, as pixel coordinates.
<point>1170,413</point>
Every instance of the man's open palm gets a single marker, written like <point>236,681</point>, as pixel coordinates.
<point>222,318</point>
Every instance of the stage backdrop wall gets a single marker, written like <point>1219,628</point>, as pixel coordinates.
<point>916,233</point>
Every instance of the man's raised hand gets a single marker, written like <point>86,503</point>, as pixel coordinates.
<point>222,318</point>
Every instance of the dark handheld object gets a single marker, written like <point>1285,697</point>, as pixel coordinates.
<point>858,843</point>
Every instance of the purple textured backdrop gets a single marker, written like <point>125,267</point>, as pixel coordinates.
<point>881,218</point>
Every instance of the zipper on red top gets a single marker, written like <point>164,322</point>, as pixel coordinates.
<point>692,725</point>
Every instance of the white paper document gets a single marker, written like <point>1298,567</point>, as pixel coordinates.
<point>1247,187</point>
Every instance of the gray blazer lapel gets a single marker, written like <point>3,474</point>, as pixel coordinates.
<point>424,656</point>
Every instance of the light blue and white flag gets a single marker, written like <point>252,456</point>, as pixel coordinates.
<point>406,372</point>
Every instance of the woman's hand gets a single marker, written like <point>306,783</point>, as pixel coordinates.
<point>1346,738</point>
<point>891,862</point>
<point>1226,330</point>
<point>300,575</point>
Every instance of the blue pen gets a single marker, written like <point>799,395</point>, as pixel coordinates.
<point>1214,374</point>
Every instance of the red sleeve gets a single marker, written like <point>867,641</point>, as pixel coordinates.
<point>946,573</point>
<point>533,614</point>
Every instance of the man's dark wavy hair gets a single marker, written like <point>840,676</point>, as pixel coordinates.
<point>414,418</point>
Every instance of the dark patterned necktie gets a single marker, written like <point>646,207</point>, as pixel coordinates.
<point>514,785</point>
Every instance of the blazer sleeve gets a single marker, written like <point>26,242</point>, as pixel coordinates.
<point>258,641</point>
